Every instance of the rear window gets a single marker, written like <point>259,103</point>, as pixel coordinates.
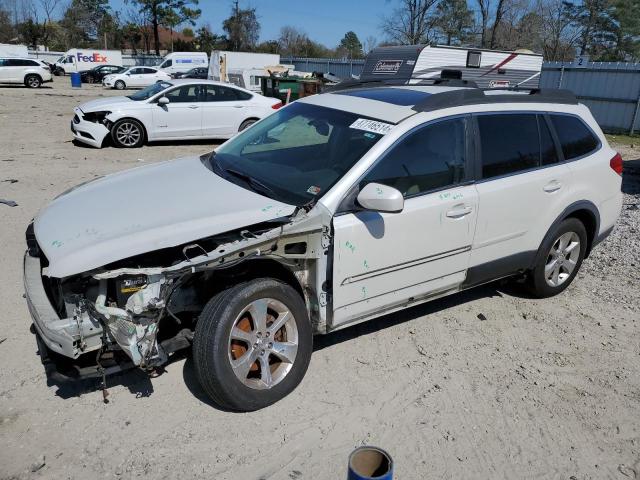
<point>575,138</point>
<point>510,143</point>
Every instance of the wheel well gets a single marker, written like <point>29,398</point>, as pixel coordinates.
<point>32,75</point>
<point>248,119</point>
<point>261,268</point>
<point>590,223</point>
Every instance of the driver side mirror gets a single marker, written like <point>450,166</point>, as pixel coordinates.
<point>380,198</point>
<point>163,101</point>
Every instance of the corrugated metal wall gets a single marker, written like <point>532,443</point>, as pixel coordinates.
<point>611,90</point>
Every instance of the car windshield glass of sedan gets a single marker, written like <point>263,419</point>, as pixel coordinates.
<point>150,91</point>
<point>296,154</point>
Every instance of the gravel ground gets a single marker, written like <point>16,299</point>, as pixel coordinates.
<point>529,389</point>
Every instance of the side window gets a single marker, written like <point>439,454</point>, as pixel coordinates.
<point>148,71</point>
<point>575,138</point>
<point>187,93</point>
<point>3,62</point>
<point>548,152</point>
<point>216,93</point>
<point>135,71</point>
<point>167,63</point>
<point>510,143</point>
<point>429,159</point>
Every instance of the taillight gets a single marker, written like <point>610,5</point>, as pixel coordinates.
<point>276,106</point>
<point>616,164</point>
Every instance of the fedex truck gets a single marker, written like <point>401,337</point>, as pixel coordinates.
<point>83,59</point>
<point>9,50</point>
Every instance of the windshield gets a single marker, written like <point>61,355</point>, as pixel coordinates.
<point>295,155</point>
<point>150,91</point>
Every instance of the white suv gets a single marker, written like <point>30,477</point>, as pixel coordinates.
<point>336,209</point>
<point>31,73</point>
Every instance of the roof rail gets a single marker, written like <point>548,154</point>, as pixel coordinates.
<point>448,82</point>
<point>477,96</point>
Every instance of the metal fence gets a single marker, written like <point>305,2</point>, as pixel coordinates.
<point>611,90</point>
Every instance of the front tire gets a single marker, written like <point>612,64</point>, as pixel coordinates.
<point>128,133</point>
<point>119,85</point>
<point>559,258</point>
<point>252,344</point>
<point>32,81</point>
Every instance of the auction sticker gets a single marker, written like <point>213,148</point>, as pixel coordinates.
<point>371,126</point>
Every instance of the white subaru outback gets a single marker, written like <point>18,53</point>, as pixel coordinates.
<point>336,209</point>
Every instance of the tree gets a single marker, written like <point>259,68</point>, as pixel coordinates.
<point>131,34</point>
<point>626,15</point>
<point>159,10</point>
<point>351,45</point>
<point>7,32</point>
<point>370,43</point>
<point>594,19</point>
<point>296,43</point>
<point>243,28</point>
<point>559,34</point>
<point>206,40</point>
<point>410,24</point>
<point>454,20</point>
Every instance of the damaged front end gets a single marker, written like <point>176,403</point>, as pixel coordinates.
<point>138,311</point>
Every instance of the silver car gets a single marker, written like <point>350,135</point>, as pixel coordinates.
<point>334,210</point>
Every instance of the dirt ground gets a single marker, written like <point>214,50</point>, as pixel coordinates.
<point>535,389</point>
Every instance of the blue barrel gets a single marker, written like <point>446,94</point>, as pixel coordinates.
<point>76,81</point>
<point>368,463</point>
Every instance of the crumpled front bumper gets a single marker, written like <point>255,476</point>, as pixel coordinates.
<point>90,133</point>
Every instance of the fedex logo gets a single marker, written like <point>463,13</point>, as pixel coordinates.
<point>94,58</point>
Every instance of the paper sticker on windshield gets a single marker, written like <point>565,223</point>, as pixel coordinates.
<point>371,126</point>
<point>313,190</point>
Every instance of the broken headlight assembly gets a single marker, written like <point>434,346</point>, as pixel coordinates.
<point>96,117</point>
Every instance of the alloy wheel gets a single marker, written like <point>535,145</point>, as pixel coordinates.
<point>562,259</point>
<point>128,134</point>
<point>33,82</point>
<point>263,343</point>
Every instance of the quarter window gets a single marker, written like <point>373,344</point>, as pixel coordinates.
<point>428,159</point>
<point>510,143</point>
<point>575,138</point>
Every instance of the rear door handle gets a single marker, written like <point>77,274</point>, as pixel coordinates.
<point>193,107</point>
<point>552,186</point>
<point>459,211</point>
<point>238,106</point>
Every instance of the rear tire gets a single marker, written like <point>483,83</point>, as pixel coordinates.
<point>119,85</point>
<point>252,344</point>
<point>32,81</point>
<point>246,124</point>
<point>559,258</point>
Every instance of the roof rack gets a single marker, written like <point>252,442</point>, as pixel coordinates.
<point>448,82</point>
<point>477,96</point>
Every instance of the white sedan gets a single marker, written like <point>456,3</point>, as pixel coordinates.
<point>135,77</point>
<point>175,110</point>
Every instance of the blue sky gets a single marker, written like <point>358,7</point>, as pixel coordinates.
<point>325,21</point>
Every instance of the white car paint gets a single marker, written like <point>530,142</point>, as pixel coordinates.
<point>135,77</point>
<point>74,240</point>
<point>176,120</point>
<point>12,73</point>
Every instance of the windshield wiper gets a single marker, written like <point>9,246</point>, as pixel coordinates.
<point>256,185</point>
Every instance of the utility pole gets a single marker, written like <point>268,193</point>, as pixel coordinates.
<point>237,25</point>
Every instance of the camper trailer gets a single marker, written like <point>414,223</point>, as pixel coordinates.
<point>420,63</point>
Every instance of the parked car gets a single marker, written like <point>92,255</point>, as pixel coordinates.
<point>175,110</point>
<point>199,72</point>
<point>30,72</point>
<point>96,74</point>
<point>134,77</point>
<point>338,208</point>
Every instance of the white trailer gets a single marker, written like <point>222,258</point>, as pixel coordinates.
<point>83,59</point>
<point>241,68</point>
<point>9,50</point>
<point>487,68</point>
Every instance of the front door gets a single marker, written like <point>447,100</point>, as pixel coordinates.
<point>182,116</point>
<point>385,260</point>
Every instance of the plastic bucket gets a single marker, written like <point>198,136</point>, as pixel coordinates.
<point>367,463</point>
<point>76,81</point>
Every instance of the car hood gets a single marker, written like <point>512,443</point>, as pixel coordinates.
<point>142,210</point>
<point>102,103</point>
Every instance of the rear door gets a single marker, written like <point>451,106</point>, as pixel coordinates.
<point>225,108</point>
<point>182,116</point>
<point>384,260</point>
<point>522,188</point>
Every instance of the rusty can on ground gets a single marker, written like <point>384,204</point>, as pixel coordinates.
<point>369,463</point>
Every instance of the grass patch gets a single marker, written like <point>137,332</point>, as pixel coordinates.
<point>624,139</point>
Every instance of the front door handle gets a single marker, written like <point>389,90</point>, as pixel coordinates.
<point>193,107</point>
<point>552,186</point>
<point>459,211</point>
<point>238,106</point>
